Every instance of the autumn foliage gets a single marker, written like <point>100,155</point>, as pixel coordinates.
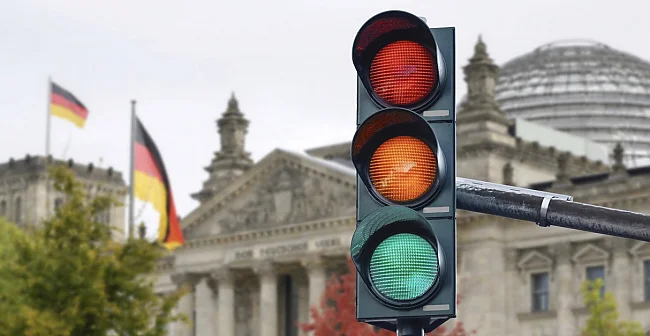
<point>336,315</point>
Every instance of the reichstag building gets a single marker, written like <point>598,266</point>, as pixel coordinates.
<point>550,119</point>
<point>571,117</point>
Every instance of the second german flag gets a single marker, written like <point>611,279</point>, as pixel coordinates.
<point>151,184</point>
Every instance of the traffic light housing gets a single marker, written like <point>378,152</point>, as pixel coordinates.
<point>404,152</point>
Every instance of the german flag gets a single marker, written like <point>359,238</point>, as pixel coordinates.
<point>64,104</point>
<point>151,184</point>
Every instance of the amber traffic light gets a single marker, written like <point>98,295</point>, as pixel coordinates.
<point>402,169</point>
<point>398,157</point>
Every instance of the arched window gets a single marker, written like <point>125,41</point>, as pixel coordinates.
<point>3,208</point>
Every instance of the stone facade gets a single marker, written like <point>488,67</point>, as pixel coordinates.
<point>27,197</point>
<point>261,246</point>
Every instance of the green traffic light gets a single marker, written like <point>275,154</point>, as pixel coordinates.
<point>403,267</point>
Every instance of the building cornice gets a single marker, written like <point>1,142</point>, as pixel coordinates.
<point>275,232</point>
<point>279,232</point>
<point>535,154</point>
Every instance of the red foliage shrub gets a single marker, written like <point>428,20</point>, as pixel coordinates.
<point>336,315</point>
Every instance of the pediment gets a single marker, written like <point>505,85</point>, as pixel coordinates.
<point>283,188</point>
<point>590,253</point>
<point>641,249</point>
<point>534,260</point>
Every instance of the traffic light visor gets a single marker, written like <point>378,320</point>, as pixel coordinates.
<point>396,57</point>
<point>396,154</point>
<point>397,254</point>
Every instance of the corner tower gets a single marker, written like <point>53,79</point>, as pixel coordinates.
<point>232,160</point>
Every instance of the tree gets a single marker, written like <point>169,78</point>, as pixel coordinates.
<point>603,313</point>
<point>68,277</point>
<point>337,313</point>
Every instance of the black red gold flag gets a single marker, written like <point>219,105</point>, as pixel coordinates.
<point>64,104</point>
<point>151,184</point>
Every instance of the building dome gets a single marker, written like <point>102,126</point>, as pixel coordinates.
<point>584,88</point>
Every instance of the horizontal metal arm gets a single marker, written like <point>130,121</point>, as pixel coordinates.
<point>549,209</point>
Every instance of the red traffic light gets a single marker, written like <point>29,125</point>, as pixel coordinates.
<point>397,59</point>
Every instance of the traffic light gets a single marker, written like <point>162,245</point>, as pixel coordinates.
<point>404,152</point>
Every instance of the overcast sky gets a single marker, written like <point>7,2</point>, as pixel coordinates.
<point>289,63</point>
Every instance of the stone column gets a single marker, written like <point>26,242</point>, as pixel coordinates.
<point>225,301</point>
<point>186,303</point>
<point>317,279</point>
<point>563,279</point>
<point>486,260</point>
<point>621,283</point>
<point>512,301</point>
<point>268,299</point>
<point>205,322</point>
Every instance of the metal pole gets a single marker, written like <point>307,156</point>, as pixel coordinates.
<point>48,117</point>
<point>131,222</point>
<point>548,209</point>
<point>48,126</point>
<point>408,327</point>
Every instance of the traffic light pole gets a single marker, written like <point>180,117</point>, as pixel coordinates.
<point>408,327</point>
<point>548,209</point>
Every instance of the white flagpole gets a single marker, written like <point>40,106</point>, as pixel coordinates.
<point>48,128</point>
<point>131,221</point>
<point>49,117</point>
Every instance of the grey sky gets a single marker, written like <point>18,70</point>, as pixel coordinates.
<point>288,62</point>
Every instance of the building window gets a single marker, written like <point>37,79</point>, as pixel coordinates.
<point>103,217</point>
<point>597,272</point>
<point>19,211</point>
<point>540,295</point>
<point>57,203</point>
<point>3,208</point>
<point>646,279</point>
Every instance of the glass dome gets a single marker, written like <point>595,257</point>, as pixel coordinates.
<point>584,88</point>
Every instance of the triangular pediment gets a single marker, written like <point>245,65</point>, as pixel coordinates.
<point>534,260</point>
<point>590,253</point>
<point>641,249</point>
<point>283,188</point>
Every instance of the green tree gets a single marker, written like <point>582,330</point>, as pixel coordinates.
<point>68,277</point>
<point>603,313</point>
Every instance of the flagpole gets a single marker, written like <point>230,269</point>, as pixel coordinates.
<point>131,222</point>
<point>49,117</point>
<point>48,127</point>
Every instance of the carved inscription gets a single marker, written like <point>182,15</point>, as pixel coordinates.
<point>328,243</point>
<point>283,250</point>
<point>295,248</point>
<point>246,254</point>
